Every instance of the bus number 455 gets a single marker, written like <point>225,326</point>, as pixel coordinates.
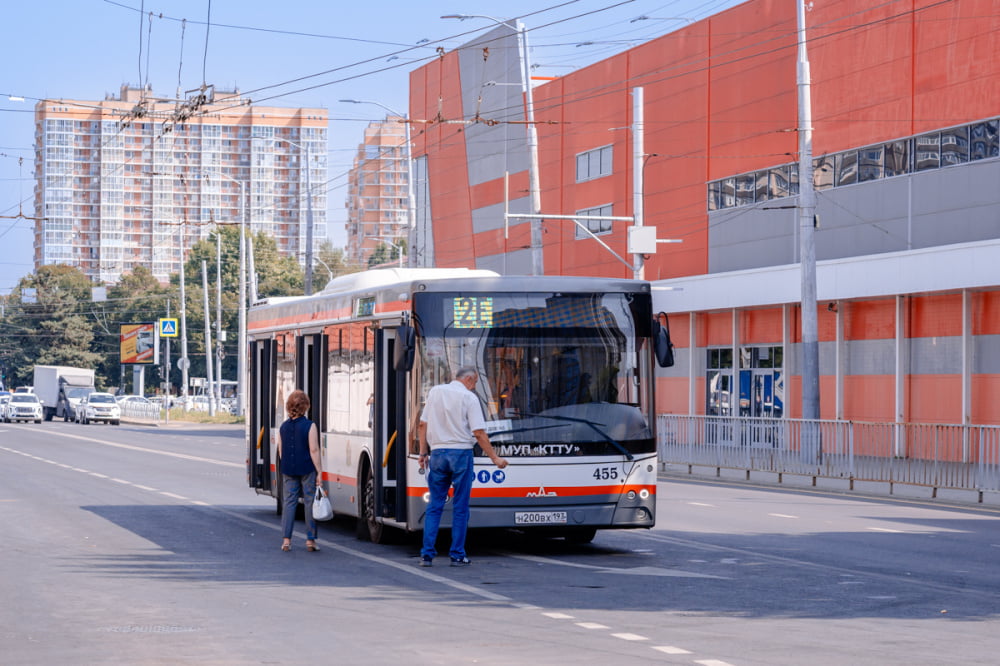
<point>605,473</point>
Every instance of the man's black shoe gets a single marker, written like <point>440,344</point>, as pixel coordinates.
<point>462,562</point>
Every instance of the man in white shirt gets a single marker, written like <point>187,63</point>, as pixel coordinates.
<point>450,427</point>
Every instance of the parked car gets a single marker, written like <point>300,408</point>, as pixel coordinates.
<point>4,399</point>
<point>99,407</point>
<point>23,407</point>
<point>137,399</point>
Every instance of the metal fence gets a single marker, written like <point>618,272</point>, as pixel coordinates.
<point>139,410</point>
<point>935,455</point>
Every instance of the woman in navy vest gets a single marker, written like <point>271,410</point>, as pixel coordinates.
<point>300,466</point>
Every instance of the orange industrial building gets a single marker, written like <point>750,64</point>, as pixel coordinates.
<point>905,112</point>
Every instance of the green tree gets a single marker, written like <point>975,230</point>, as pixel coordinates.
<point>331,262</point>
<point>50,327</point>
<point>385,253</point>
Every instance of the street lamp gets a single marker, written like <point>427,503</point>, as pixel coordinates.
<point>411,222</point>
<point>309,210</point>
<point>399,248</point>
<point>242,336</point>
<point>534,184</point>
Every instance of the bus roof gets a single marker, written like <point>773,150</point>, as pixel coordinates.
<point>393,285</point>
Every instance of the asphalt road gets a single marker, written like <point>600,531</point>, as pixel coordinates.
<point>144,545</point>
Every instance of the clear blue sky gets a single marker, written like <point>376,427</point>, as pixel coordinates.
<point>83,49</point>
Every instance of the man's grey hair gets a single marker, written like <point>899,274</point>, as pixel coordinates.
<point>465,371</point>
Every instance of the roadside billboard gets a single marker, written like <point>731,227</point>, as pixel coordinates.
<point>137,343</point>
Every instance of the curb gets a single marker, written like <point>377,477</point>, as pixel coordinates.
<point>965,498</point>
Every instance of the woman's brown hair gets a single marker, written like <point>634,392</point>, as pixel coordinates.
<point>297,404</point>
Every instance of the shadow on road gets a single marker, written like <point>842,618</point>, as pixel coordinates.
<point>759,575</point>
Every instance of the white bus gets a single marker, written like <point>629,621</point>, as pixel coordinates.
<point>565,379</point>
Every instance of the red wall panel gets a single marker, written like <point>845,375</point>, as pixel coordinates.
<point>759,327</point>
<point>934,399</point>
<point>714,329</point>
<point>986,399</point>
<point>870,398</point>
<point>671,395</point>
<point>986,313</point>
<point>870,320</point>
<point>935,316</point>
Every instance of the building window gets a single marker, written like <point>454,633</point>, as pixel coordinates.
<point>593,164</point>
<point>596,227</point>
<point>984,141</point>
<point>756,388</point>
<point>956,145</point>
<point>927,151</point>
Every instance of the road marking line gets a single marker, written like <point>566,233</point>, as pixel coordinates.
<point>700,504</point>
<point>713,662</point>
<point>781,515</point>
<point>200,503</point>
<point>670,649</point>
<point>885,529</point>
<point>127,483</point>
<point>152,490</point>
<point>180,497</point>
<point>592,625</point>
<point>558,616</point>
<point>99,476</point>
<point>633,571</point>
<point>630,637</point>
<point>141,449</point>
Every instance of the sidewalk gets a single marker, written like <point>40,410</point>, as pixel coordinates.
<point>963,498</point>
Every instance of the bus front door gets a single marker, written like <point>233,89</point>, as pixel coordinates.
<point>389,431</point>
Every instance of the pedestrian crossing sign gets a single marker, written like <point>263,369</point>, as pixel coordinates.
<point>168,328</point>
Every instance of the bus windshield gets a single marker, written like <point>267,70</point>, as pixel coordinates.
<point>559,374</point>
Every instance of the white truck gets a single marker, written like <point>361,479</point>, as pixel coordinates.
<point>60,389</point>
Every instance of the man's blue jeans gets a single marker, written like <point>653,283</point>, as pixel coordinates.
<point>448,468</point>
<point>294,486</point>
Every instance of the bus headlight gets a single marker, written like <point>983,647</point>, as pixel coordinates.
<point>644,494</point>
<point>427,497</point>
<point>630,495</point>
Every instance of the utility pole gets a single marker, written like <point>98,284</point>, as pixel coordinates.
<point>309,226</point>
<point>218,316</point>
<point>534,181</point>
<point>183,362</point>
<point>807,228</point>
<point>638,169</point>
<point>166,374</point>
<point>208,339</point>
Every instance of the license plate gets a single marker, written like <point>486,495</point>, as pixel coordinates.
<point>539,517</point>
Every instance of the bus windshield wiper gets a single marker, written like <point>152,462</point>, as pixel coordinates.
<point>593,426</point>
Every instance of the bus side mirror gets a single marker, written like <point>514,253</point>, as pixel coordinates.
<point>663,348</point>
<point>406,343</point>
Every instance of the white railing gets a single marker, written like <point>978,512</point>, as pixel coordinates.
<point>138,410</point>
<point>935,455</point>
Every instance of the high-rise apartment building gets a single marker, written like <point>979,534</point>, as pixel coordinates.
<point>130,181</point>
<point>377,208</point>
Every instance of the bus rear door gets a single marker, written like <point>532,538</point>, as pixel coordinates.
<point>261,407</point>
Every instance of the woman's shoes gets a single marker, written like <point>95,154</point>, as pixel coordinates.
<point>312,547</point>
<point>286,546</point>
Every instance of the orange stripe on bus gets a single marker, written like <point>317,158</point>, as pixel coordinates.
<point>532,491</point>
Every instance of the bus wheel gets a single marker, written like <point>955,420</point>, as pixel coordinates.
<point>580,535</point>
<point>368,527</point>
